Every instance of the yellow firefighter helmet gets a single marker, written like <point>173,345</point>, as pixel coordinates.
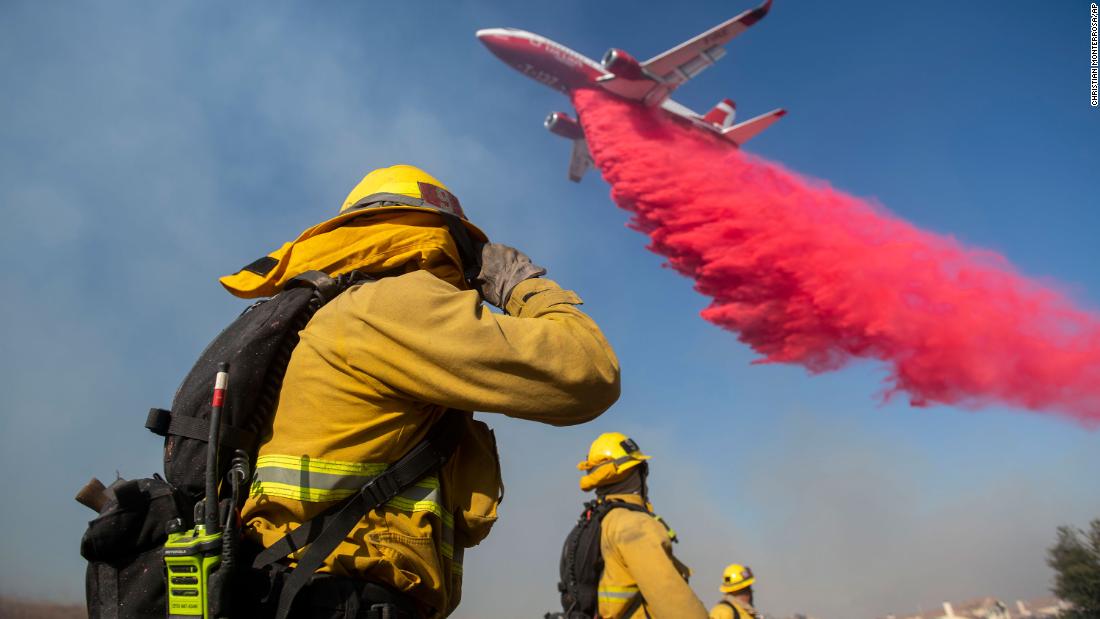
<point>323,248</point>
<point>610,457</point>
<point>405,187</point>
<point>736,577</point>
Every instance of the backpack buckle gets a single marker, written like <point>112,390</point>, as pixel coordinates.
<point>381,489</point>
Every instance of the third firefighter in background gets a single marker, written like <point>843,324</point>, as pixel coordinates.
<point>737,582</point>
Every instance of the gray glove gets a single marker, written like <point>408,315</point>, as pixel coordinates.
<point>503,267</point>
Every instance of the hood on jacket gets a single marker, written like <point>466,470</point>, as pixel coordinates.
<point>382,243</point>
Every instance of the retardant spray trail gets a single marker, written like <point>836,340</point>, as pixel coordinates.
<point>806,274</point>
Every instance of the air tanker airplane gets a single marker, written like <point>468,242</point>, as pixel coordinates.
<point>650,82</point>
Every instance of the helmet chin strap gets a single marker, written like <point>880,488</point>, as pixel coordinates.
<point>467,250</point>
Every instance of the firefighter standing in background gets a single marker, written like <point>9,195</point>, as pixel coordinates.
<point>737,581</point>
<point>641,577</point>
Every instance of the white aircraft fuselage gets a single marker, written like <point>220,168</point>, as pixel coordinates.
<point>650,83</point>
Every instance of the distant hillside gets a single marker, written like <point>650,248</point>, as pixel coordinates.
<point>24,609</point>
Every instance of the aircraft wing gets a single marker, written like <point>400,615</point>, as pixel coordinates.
<point>688,59</point>
<point>579,160</point>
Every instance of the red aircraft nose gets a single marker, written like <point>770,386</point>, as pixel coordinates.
<point>496,39</point>
<point>540,59</point>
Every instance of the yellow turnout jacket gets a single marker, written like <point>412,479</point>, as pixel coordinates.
<point>732,608</point>
<point>637,554</point>
<point>375,369</point>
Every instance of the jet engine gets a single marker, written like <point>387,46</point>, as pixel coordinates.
<point>622,65</point>
<point>560,123</point>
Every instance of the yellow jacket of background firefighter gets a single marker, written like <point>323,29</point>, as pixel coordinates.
<point>377,366</point>
<point>731,608</point>
<point>637,554</point>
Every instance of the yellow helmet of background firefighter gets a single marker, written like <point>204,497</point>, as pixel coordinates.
<point>610,457</point>
<point>736,577</point>
<point>405,187</point>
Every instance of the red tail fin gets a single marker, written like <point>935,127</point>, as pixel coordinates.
<point>722,114</point>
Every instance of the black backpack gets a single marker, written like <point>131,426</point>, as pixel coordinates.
<point>582,562</point>
<point>257,347</point>
<point>124,544</point>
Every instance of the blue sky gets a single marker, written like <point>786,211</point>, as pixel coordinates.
<point>149,148</point>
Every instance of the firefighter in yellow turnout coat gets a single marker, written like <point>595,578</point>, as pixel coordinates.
<point>737,581</point>
<point>381,363</point>
<point>640,571</point>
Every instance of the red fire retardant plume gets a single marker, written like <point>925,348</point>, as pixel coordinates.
<point>806,274</point>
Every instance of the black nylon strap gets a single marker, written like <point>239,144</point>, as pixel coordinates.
<point>297,539</point>
<point>426,456</point>
<point>310,530</point>
<point>604,506</point>
<point>319,281</point>
<point>327,595</point>
<point>165,423</point>
<point>632,607</point>
<point>158,421</point>
<point>191,427</point>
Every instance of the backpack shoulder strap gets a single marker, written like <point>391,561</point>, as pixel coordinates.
<point>635,603</point>
<point>603,507</point>
<point>166,422</point>
<point>324,534</point>
<point>737,612</point>
<point>317,280</point>
<point>641,508</point>
<point>327,287</point>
